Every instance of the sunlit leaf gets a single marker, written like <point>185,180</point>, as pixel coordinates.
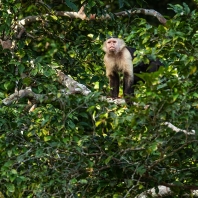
<point>47,138</point>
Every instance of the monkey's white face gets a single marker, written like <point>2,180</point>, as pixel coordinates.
<point>112,44</point>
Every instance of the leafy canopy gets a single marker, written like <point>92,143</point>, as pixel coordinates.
<point>79,146</point>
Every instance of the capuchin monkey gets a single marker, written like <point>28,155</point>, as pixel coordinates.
<point>118,58</point>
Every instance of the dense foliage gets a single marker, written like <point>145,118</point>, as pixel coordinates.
<point>79,146</point>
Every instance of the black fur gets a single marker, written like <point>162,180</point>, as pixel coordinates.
<point>141,67</point>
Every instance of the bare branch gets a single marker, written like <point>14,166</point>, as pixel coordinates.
<point>117,101</point>
<point>150,12</point>
<point>73,88</point>
<point>28,93</point>
<point>72,85</point>
<point>29,19</point>
<point>8,44</point>
<point>163,191</point>
<point>83,16</point>
<point>20,26</point>
<point>22,30</point>
<point>176,129</point>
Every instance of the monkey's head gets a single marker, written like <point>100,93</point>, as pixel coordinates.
<point>113,45</point>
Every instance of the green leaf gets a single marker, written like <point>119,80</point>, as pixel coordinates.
<point>54,17</point>
<point>121,3</point>
<point>7,85</point>
<point>108,159</point>
<point>153,147</point>
<point>141,170</point>
<point>13,171</point>
<point>10,187</point>
<point>83,181</point>
<point>73,181</point>
<point>8,163</point>
<point>186,8</point>
<point>117,196</point>
<point>27,81</point>
<point>71,124</point>
<point>146,38</point>
<point>71,5</point>
<point>195,95</point>
<point>140,186</point>
<point>98,123</point>
<point>21,68</point>
<point>178,183</point>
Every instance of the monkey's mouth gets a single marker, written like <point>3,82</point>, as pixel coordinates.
<point>112,48</point>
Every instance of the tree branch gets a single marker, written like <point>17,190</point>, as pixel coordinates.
<point>24,93</point>
<point>176,129</point>
<point>163,191</point>
<point>7,44</point>
<point>150,12</point>
<point>73,87</point>
<point>81,15</point>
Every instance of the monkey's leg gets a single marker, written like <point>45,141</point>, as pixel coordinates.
<point>128,88</point>
<point>114,84</point>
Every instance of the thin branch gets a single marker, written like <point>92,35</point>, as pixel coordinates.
<point>169,155</point>
<point>176,129</point>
